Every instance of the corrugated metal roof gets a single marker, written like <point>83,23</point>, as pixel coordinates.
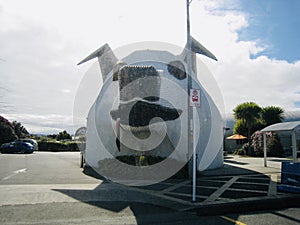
<point>282,126</point>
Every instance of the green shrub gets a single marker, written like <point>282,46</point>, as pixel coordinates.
<point>55,146</point>
<point>240,151</point>
<point>64,135</point>
<point>151,160</point>
<point>257,144</point>
<point>274,147</point>
<point>139,160</point>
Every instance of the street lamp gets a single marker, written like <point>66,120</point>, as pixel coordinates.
<point>192,164</point>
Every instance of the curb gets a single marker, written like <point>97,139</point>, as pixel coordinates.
<point>269,203</point>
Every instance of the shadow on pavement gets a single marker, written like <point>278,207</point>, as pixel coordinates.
<point>119,200</point>
<point>92,173</point>
<point>230,189</point>
<point>235,162</point>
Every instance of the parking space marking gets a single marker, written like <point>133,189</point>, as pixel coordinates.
<point>273,185</point>
<point>173,187</point>
<point>221,190</point>
<point>232,220</point>
<point>14,174</point>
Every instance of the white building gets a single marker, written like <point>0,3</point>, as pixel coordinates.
<point>158,97</point>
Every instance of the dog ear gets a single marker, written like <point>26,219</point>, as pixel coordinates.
<point>106,59</point>
<point>177,69</point>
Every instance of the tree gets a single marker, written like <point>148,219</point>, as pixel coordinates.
<point>249,115</point>
<point>63,135</point>
<point>271,115</point>
<point>251,118</point>
<point>240,127</point>
<point>52,136</point>
<point>20,130</point>
<point>7,131</point>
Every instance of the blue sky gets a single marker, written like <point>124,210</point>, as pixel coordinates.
<point>275,23</point>
<point>256,43</point>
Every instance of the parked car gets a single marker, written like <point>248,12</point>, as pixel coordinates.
<point>31,141</point>
<point>17,147</point>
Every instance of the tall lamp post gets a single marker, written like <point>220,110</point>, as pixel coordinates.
<point>192,47</point>
<point>192,164</point>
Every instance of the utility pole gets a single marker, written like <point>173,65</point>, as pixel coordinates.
<point>192,163</point>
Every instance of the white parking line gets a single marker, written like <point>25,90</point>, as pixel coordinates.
<point>14,174</point>
<point>221,190</point>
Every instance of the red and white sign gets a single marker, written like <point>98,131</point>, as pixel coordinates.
<point>195,97</point>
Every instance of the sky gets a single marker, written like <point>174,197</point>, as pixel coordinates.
<point>256,43</point>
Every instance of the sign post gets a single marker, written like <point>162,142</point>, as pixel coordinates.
<point>189,87</point>
<point>193,95</point>
<point>195,100</point>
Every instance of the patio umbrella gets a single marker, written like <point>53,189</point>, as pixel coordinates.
<point>236,137</point>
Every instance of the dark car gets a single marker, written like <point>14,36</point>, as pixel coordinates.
<point>30,141</point>
<point>17,147</point>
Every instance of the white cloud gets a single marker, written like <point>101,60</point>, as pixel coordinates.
<point>43,124</point>
<point>262,80</point>
<point>39,76</point>
<point>42,41</point>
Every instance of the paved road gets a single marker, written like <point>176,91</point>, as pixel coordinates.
<point>42,168</point>
<point>50,188</point>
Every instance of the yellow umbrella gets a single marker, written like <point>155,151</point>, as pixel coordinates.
<point>236,137</point>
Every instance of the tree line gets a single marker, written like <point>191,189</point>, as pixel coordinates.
<point>250,118</point>
<point>10,131</point>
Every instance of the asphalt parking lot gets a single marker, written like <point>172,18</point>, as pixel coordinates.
<point>50,188</point>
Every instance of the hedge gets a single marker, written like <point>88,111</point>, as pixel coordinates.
<point>58,146</point>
